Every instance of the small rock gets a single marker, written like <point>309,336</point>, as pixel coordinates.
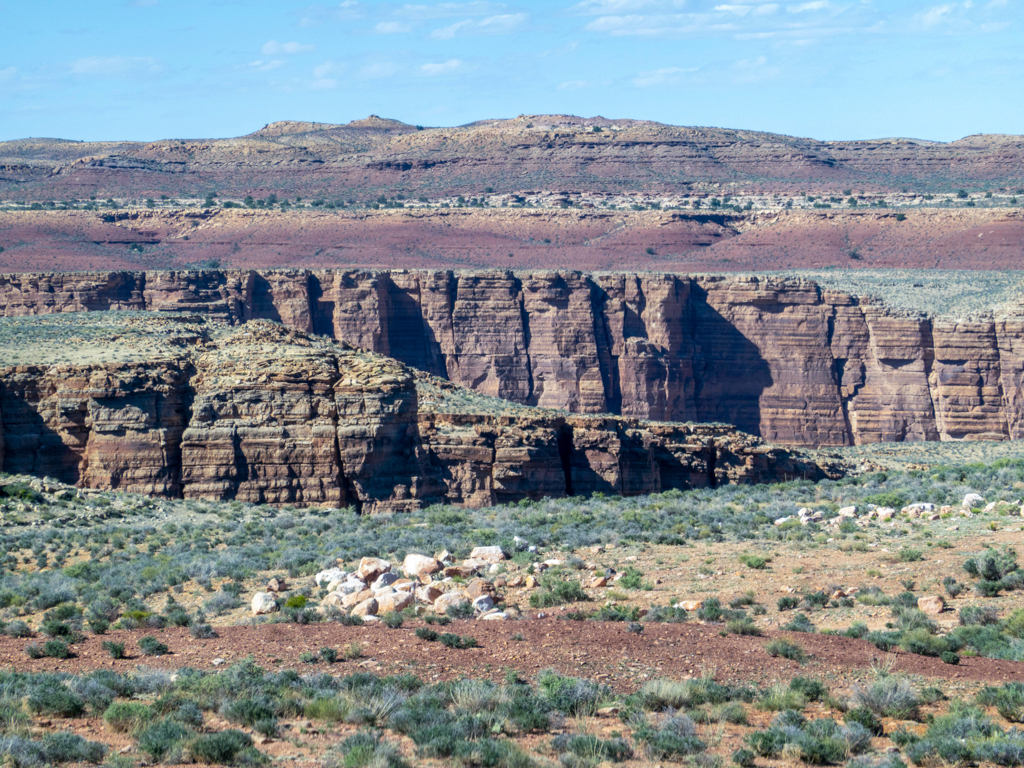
<point>848,512</point>
<point>972,500</point>
<point>531,582</point>
<point>516,581</point>
<point>384,580</point>
<point>597,583</point>
<point>277,585</point>
<point>428,594</point>
<point>414,566</point>
<point>483,603</point>
<point>372,567</point>
<point>933,605</point>
<point>479,588</point>
<point>487,554</point>
<point>366,608</point>
<point>396,601</point>
<point>218,662</point>
<point>330,575</point>
<point>449,600</point>
<point>494,616</point>
<point>263,602</point>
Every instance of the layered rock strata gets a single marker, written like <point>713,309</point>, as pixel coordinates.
<point>780,358</point>
<point>266,414</point>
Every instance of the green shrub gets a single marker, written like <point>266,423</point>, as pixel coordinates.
<point>114,649</point>
<point>589,746</point>
<point>889,696</point>
<point>633,578</point>
<point>124,716</point>
<point>296,601</point>
<point>54,699</point>
<point>1014,624</point>
<point>788,603</point>
<point>767,743</point>
<point>617,613</point>
<point>572,695</point>
<point>711,610</point>
<point>426,633</point>
<point>65,747</point>
<point>744,758</point>
<point>219,748</point>
<point>786,649</point>
<point>754,561</point>
<point>799,623</point>
<point>949,657</point>
<point>1008,699</point>
<point>743,627</point>
<point>392,620</point>
<point>150,646</point>
<point>558,592</point>
<point>978,615</point>
<point>866,718</point>
<point>450,640</point>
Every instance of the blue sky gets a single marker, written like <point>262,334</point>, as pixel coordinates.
<point>828,69</point>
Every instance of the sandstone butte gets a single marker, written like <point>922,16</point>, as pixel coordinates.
<point>267,414</point>
<point>782,359</point>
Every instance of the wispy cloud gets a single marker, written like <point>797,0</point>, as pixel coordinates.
<point>314,15</point>
<point>115,66</point>
<point>274,48</point>
<point>142,3</point>
<point>503,24</point>
<point>447,10</point>
<point>379,70</point>
<point>602,7</point>
<point>391,28</point>
<point>265,66</point>
<point>663,76</point>
<point>443,68</point>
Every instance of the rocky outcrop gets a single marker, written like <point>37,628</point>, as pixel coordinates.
<point>270,415</point>
<point>783,359</point>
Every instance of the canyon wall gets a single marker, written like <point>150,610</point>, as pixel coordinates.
<point>779,358</point>
<point>269,415</point>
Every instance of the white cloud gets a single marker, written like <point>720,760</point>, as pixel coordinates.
<point>755,63</point>
<point>444,68</point>
<point>817,5</point>
<point>274,48</point>
<point>602,7</point>
<point>503,24</point>
<point>266,66</point>
<point>327,69</point>
<point>935,15</point>
<point>115,66</point>
<point>379,70</point>
<point>447,10</point>
<point>663,76</point>
<point>574,85</point>
<point>391,28</point>
<point>143,3</point>
<point>8,74</point>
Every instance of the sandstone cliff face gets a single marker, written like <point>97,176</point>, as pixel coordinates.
<point>270,415</point>
<point>778,358</point>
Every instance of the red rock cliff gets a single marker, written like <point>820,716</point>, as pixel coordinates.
<point>779,358</point>
<point>270,415</point>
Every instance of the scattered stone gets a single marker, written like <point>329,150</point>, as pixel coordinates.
<point>598,583</point>
<point>480,588</point>
<point>218,662</point>
<point>372,567</point>
<point>396,601</point>
<point>383,581</point>
<point>262,603</point>
<point>366,608</point>
<point>487,554</point>
<point>428,594</point>
<point>972,500</point>
<point>933,605</point>
<point>414,566</point>
<point>483,604</point>
<point>277,585</point>
<point>848,512</point>
<point>494,616</point>
<point>449,600</point>
<point>329,576</point>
